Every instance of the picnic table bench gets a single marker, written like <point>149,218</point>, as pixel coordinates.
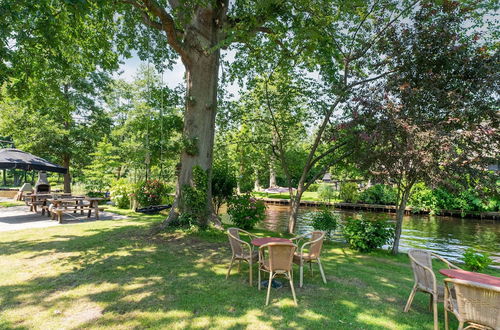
<point>59,207</point>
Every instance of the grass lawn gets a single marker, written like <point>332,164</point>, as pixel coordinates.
<point>115,275</point>
<point>12,203</point>
<point>307,196</point>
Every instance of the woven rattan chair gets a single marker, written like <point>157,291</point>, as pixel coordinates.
<point>278,262</point>
<point>242,251</point>
<point>425,279</point>
<point>313,246</point>
<point>476,304</point>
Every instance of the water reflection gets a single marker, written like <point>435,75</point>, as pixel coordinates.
<point>447,236</point>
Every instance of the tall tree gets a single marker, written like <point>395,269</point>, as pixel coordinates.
<point>435,119</point>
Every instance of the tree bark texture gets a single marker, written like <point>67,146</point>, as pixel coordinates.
<point>400,212</point>
<point>294,208</point>
<point>202,71</point>
<point>67,175</point>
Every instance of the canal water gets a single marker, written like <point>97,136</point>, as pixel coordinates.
<point>446,236</point>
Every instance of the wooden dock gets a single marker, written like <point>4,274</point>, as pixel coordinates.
<point>383,208</point>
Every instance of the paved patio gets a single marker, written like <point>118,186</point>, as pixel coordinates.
<point>19,217</point>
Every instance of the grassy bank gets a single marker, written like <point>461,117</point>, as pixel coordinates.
<point>307,196</point>
<point>114,274</point>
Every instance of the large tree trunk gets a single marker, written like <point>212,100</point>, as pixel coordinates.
<point>67,175</point>
<point>199,127</point>
<point>400,212</point>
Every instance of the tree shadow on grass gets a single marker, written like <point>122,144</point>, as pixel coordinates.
<point>124,278</point>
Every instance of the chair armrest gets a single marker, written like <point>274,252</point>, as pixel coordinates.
<point>247,233</point>
<point>449,264</point>
<point>241,242</point>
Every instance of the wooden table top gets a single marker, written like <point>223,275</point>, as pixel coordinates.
<point>471,276</point>
<point>264,240</point>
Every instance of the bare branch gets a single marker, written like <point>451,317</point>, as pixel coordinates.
<point>370,79</point>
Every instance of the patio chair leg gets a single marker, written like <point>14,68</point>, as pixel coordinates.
<point>293,289</point>
<point>259,279</point>
<point>269,287</point>
<point>229,270</point>
<point>435,309</point>
<point>410,298</point>
<point>321,271</point>
<point>301,279</point>
<point>431,299</point>
<point>461,326</point>
<point>239,265</point>
<point>446,319</point>
<point>250,270</point>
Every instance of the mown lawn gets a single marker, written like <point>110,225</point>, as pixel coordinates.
<point>11,203</point>
<point>307,196</point>
<point>115,275</point>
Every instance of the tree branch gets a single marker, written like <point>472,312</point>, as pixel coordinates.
<point>354,84</point>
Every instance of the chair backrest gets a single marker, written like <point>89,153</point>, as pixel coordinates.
<point>421,263</point>
<point>477,303</point>
<point>315,248</point>
<point>234,235</point>
<point>280,256</point>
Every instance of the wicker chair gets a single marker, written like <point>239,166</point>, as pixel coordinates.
<point>425,280</point>
<point>279,262</point>
<point>476,304</point>
<point>242,251</point>
<point>314,246</point>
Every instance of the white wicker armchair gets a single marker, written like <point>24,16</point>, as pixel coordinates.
<point>476,304</point>
<point>425,279</point>
<point>242,251</point>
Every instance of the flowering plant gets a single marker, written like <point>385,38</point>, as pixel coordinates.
<point>150,192</point>
<point>245,211</point>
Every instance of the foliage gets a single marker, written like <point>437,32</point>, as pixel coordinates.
<point>101,171</point>
<point>366,235</point>
<point>120,192</point>
<point>423,198</point>
<point>149,193</point>
<point>313,187</point>
<point>194,200</point>
<point>433,117</point>
<point>325,220</point>
<point>326,192</point>
<point>223,185</point>
<point>476,262</point>
<point>245,211</point>
<point>349,192</point>
<point>379,194</point>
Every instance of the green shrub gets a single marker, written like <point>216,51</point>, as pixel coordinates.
<point>476,262</point>
<point>223,185</point>
<point>326,192</point>
<point>379,194</point>
<point>313,187</point>
<point>245,211</point>
<point>349,192</point>
<point>194,199</point>
<point>325,220</point>
<point>423,198</point>
<point>120,193</point>
<point>150,193</point>
<point>366,235</point>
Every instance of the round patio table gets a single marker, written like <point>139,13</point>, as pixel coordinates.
<point>264,240</point>
<point>471,276</point>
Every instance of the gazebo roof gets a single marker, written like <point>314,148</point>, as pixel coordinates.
<point>17,159</point>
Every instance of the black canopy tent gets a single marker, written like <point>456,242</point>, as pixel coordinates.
<point>17,159</point>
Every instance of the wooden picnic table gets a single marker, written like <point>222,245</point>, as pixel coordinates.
<point>59,205</point>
